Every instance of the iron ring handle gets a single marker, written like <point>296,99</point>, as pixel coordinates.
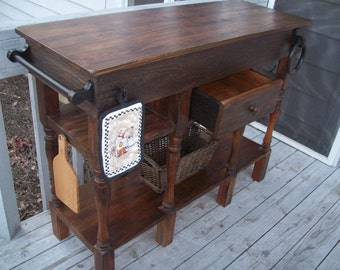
<point>74,96</point>
<point>299,43</point>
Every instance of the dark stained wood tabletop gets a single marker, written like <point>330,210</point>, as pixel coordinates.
<point>109,42</point>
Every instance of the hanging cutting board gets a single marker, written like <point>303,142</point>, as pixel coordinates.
<point>65,178</point>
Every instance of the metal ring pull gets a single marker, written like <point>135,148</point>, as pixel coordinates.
<point>74,96</point>
<point>298,44</point>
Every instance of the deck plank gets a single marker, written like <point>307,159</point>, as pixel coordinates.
<point>93,5</point>
<point>3,17</point>
<point>281,239</point>
<point>30,8</point>
<point>13,13</point>
<point>62,6</point>
<point>56,256</point>
<point>24,248</point>
<point>230,245</point>
<point>33,223</point>
<point>197,237</point>
<point>316,244</point>
<point>332,261</point>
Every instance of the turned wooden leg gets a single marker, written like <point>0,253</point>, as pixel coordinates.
<point>226,189</point>
<point>49,104</point>
<point>60,230</point>
<point>103,250</point>
<point>178,114</point>
<point>165,229</point>
<point>51,147</point>
<point>261,165</point>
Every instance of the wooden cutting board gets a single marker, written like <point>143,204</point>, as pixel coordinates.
<point>65,178</point>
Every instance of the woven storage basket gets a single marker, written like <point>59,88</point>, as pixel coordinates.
<point>197,149</point>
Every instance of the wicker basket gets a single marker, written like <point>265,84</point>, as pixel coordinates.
<point>197,149</point>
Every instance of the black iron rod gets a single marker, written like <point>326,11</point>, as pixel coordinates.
<point>74,96</point>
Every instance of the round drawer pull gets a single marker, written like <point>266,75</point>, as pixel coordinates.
<point>254,109</point>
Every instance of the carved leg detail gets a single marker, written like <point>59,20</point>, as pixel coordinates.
<point>51,146</point>
<point>103,250</point>
<point>178,114</point>
<point>60,230</point>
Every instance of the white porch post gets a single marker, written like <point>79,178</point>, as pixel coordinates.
<point>271,3</point>
<point>43,171</point>
<point>10,220</point>
<point>39,135</point>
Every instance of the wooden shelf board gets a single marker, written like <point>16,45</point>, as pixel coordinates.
<point>72,122</point>
<point>197,185</point>
<point>201,183</point>
<point>134,208</point>
<point>156,126</point>
<point>250,152</point>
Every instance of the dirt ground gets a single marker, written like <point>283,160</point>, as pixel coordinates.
<point>14,97</point>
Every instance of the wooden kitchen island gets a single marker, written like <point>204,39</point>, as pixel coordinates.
<point>158,56</point>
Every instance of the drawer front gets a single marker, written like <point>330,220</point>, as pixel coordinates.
<point>246,108</point>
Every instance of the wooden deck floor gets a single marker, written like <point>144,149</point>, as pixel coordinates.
<point>291,220</point>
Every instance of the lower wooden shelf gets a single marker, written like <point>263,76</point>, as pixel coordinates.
<point>135,207</point>
<point>250,152</point>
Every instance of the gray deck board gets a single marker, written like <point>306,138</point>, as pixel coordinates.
<point>290,220</point>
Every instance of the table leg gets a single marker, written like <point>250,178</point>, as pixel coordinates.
<point>165,229</point>
<point>103,250</point>
<point>49,103</point>
<point>226,189</point>
<point>178,112</point>
<point>261,165</point>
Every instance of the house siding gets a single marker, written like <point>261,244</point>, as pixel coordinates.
<point>309,113</point>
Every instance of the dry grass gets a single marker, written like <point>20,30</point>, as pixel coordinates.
<point>14,96</point>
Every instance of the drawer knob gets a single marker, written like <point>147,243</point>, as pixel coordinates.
<point>254,109</point>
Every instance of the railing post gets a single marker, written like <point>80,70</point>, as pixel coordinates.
<point>43,172</point>
<point>10,220</point>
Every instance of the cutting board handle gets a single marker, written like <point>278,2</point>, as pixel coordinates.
<point>62,145</point>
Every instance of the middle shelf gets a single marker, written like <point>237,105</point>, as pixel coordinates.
<point>73,123</point>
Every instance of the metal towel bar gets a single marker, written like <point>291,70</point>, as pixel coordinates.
<point>74,96</point>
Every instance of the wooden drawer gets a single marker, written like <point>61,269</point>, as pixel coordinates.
<point>235,101</point>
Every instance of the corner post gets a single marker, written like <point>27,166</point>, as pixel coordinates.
<point>178,109</point>
<point>261,165</point>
